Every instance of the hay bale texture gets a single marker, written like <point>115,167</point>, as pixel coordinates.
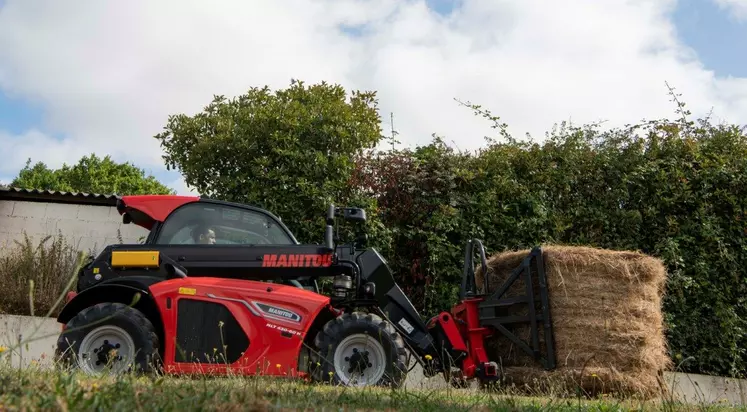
<point>606,317</point>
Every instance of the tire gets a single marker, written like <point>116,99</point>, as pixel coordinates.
<point>368,335</point>
<point>94,331</point>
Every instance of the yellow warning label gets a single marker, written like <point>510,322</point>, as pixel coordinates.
<point>187,291</point>
<point>96,270</point>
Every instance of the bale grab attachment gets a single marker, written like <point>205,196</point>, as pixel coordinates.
<point>481,314</point>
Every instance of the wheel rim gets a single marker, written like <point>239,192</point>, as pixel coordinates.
<point>106,348</point>
<point>359,360</point>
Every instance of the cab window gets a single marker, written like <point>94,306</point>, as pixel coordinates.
<point>211,224</point>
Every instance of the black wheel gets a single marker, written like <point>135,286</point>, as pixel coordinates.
<point>360,349</point>
<point>109,337</point>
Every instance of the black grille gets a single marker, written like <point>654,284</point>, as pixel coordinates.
<point>207,332</point>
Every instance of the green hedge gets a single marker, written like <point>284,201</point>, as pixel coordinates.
<point>674,190</point>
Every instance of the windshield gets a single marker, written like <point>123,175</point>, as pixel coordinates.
<point>205,223</point>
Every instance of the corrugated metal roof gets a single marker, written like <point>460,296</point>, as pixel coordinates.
<point>56,195</point>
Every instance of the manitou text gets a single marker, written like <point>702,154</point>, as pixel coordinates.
<point>296,260</point>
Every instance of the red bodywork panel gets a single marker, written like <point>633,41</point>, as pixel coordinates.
<point>274,341</point>
<point>153,208</point>
<point>450,328</point>
<point>469,331</point>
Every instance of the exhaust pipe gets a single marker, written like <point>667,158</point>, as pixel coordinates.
<point>329,232</point>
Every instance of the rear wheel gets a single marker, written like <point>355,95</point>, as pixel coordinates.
<point>109,338</point>
<point>360,349</point>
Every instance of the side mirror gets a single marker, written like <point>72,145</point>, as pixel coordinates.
<point>354,214</point>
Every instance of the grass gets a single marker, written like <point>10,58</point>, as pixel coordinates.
<point>54,389</point>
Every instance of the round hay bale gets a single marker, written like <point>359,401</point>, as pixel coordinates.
<point>607,321</point>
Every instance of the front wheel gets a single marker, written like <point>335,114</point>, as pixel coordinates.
<point>360,349</point>
<point>109,337</point>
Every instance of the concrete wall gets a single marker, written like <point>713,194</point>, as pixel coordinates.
<point>703,389</point>
<point>40,337</point>
<point>87,227</point>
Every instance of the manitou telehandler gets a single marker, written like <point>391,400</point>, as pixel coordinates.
<point>219,287</point>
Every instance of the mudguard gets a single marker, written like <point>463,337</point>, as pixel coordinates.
<point>121,290</point>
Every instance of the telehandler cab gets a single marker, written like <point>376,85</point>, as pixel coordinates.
<point>220,287</point>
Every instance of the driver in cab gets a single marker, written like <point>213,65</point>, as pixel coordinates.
<point>204,235</point>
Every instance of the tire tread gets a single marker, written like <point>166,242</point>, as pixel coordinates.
<point>334,332</point>
<point>65,350</point>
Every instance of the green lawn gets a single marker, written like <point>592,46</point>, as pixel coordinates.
<point>58,390</point>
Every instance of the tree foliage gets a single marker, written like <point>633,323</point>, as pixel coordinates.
<point>92,174</point>
<point>675,189</point>
<point>290,151</point>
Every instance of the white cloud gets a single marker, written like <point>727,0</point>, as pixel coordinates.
<point>110,73</point>
<point>738,8</point>
<point>36,145</point>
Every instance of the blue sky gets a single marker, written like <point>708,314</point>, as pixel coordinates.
<point>719,40</point>
<point>17,115</point>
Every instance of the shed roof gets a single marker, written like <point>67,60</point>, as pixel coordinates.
<point>56,196</point>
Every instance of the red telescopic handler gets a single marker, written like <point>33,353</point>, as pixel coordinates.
<point>220,287</point>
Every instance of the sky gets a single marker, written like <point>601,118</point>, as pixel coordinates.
<point>102,77</point>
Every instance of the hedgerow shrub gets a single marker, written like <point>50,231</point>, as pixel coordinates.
<point>674,189</point>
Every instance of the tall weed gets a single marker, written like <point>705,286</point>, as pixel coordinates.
<point>34,275</point>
